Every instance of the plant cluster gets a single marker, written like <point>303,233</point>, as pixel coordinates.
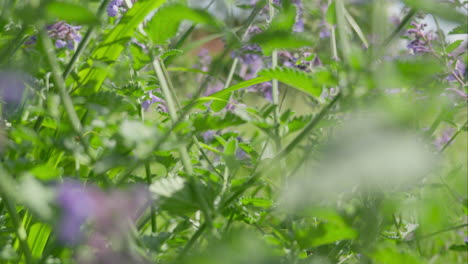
<point>281,131</point>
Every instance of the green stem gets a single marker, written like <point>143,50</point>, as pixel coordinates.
<point>152,209</point>
<point>185,158</point>
<point>400,27</point>
<point>191,242</point>
<point>453,137</point>
<point>60,83</point>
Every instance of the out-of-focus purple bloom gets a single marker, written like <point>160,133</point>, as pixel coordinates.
<point>208,135</point>
<point>65,34</point>
<point>444,138</point>
<point>265,89</point>
<point>77,206</point>
<point>204,65</point>
<point>153,99</point>
<point>108,217</point>
<point>420,43</point>
<point>241,154</point>
<point>12,85</point>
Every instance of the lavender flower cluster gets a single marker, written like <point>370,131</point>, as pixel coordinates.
<point>421,41</point>
<point>64,34</point>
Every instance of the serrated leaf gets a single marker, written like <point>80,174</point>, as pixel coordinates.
<point>285,19</point>
<point>461,29</point>
<point>309,83</point>
<point>165,23</point>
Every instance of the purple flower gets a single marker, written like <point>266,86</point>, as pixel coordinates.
<point>65,35</point>
<point>153,99</point>
<point>12,85</point>
<point>117,6</point>
<point>208,135</point>
<point>113,8</point>
<point>108,217</point>
<point>421,41</point>
<point>77,206</point>
<point>299,24</point>
<point>460,93</point>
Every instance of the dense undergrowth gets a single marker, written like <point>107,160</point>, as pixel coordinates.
<point>158,131</point>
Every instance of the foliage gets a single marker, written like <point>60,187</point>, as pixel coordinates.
<point>154,131</point>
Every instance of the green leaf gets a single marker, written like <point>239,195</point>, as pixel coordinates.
<point>271,40</point>
<point>257,202</point>
<point>285,19</point>
<point>91,77</point>
<point>331,14</point>
<point>165,23</point>
<point>140,57</point>
<point>230,148</point>
<point>226,92</point>
<point>38,234</point>
<point>461,29</point>
<point>454,45</point>
<point>203,122</point>
<point>330,228</point>
<point>436,8</point>
<point>309,83</point>
<point>46,172</point>
<point>70,13</point>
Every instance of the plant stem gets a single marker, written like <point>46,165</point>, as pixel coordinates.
<point>152,210</point>
<point>185,158</point>
<point>60,83</point>
<point>400,27</point>
<point>84,42</point>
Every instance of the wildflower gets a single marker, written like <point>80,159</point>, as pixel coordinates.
<point>421,42</point>
<point>108,216</point>
<point>154,99</point>
<point>117,6</point>
<point>65,34</point>
<point>12,85</point>
<point>76,204</point>
<point>208,135</point>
